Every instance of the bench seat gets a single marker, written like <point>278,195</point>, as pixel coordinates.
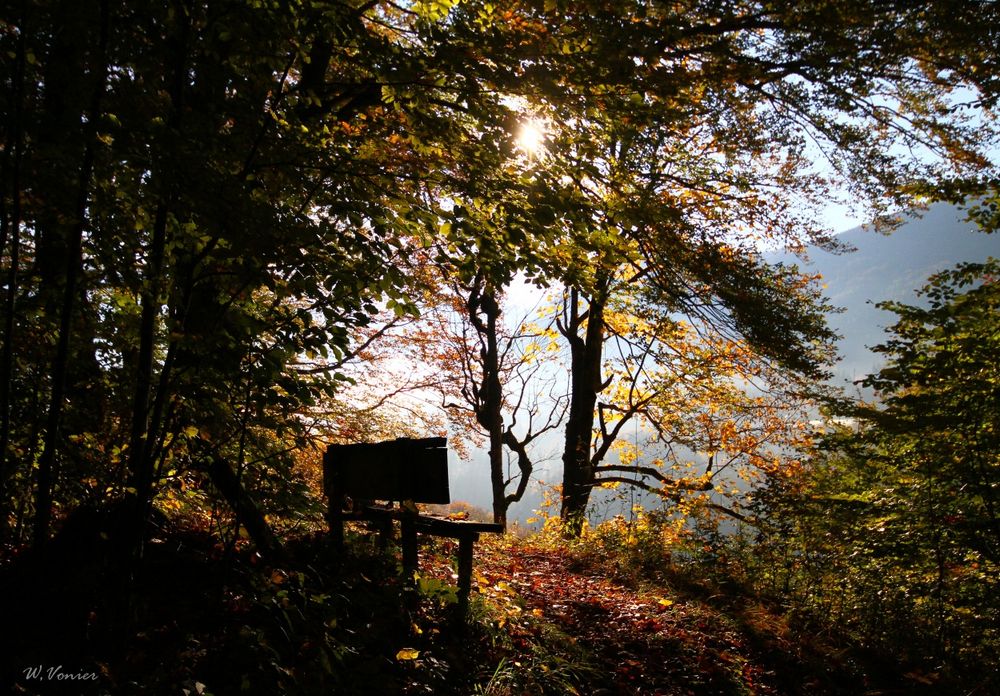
<point>399,471</point>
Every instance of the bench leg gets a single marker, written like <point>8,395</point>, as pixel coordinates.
<point>408,538</point>
<point>336,525</point>
<point>465,546</point>
<point>383,530</point>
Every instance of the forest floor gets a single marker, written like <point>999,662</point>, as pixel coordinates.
<point>580,626</point>
<point>207,620</point>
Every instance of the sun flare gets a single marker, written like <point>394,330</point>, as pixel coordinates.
<point>531,137</point>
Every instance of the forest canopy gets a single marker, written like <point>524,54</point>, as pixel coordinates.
<point>234,232</point>
<point>207,207</point>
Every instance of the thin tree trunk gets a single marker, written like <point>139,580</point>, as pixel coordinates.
<point>140,459</point>
<point>142,436</point>
<point>46,474</point>
<point>45,478</point>
<point>10,227</point>
<point>494,414</point>
<point>489,411</point>
<point>247,511</point>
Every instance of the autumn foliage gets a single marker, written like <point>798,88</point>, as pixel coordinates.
<point>232,233</point>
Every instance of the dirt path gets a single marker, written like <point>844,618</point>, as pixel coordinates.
<point>658,642</point>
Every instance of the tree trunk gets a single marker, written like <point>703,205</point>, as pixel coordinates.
<point>143,431</point>
<point>73,256</point>
<point>140,451</point>
<point>494,404</point>
<point>489,410</point>
<point>10,227</point>
<point>247,512</point>
<point>586,353</point>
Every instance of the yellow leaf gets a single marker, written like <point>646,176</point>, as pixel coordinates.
<point>665,602</point>
<point>407,654</point>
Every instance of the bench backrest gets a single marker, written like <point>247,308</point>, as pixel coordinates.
<point>397,470</point>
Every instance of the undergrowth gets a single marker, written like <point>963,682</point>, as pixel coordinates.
<point>636,606</point>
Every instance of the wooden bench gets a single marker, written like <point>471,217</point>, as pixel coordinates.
<point>404,472</point>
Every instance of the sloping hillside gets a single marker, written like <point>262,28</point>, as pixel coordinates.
<point>891,266</point>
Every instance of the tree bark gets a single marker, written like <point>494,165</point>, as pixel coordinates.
<point>247,511</point>
<point>489,413</point>
<point>143,431</point>
<point>10,227</point>
<point>140,451</point>
<point>586,354</point>
<point>45,478</point>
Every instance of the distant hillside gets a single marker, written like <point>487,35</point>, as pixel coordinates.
<point>891,267</point>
